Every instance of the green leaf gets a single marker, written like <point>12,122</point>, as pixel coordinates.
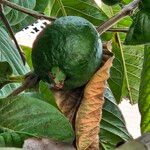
<point>47,94</point>
<point>39,7</point>
<point>144,93</point>
<point>27,51</point>
<point>117,74</point>
<point>5,69</point>
<point>5,72</point>
<point>125,73</point>
<point>87,10</point>
<point>7,9</point>
<point>44,93</point>
<point>139,32</point>
<point>26,116</point>
<point>9,53</point>
<point>11,138</point>
<point>133,61</point>
<point>14,17</point>
<point>112,128</point>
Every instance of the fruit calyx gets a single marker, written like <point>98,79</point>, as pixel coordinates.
<point>57,77</point>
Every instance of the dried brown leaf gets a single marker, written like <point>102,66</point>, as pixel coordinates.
<point>90,111</point>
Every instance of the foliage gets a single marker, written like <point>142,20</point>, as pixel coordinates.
<point>36,112</point>
<point>139,26</point>
<point>9,53</point>
<point>86,9</point>
<point>144,95</point>
<point>31,117</point>
<point>114,131</point>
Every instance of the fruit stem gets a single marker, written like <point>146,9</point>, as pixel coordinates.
<point>26,10</point>
<point>127,10</point>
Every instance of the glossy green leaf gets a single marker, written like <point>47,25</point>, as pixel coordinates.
<point>9,53</point>
<point>39,7</point>
<point>47,94</point>
<point>7,9</point>
<point>127,64</point>
<point>133,61</point>
<point>139,32</point>
<point>5,69</point>
<point>27,51</point>
<point>14,16</point>
<point>117,75</point>
<point>25,116</point>
<point>87,10</point>
<point>132,58</point>
<point>112,128</point>
<point>144,93</point>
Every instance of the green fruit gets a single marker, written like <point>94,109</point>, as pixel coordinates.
<point>69,51</point>
<point>111,2</point>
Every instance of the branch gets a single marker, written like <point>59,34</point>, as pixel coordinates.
<point>127,10</point>
<point>31,81</point>
<point>6,23</point>
<point>118,30</point>
<point>26,10</point>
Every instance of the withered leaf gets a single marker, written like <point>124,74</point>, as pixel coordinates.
<point>90,111</point>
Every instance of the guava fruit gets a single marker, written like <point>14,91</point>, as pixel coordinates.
<point>67,53</point>
<point>111,2</point>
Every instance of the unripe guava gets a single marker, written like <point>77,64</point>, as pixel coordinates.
<point>67,53</point>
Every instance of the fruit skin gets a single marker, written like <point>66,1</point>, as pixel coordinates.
<point>72,44</point>
<point>111,2</point>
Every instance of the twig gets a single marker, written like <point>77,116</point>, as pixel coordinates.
<point>118,30</point>
<point>6,23</point>
<point>31,81</point>
<point>127,10</point>
<point>26,10</point>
